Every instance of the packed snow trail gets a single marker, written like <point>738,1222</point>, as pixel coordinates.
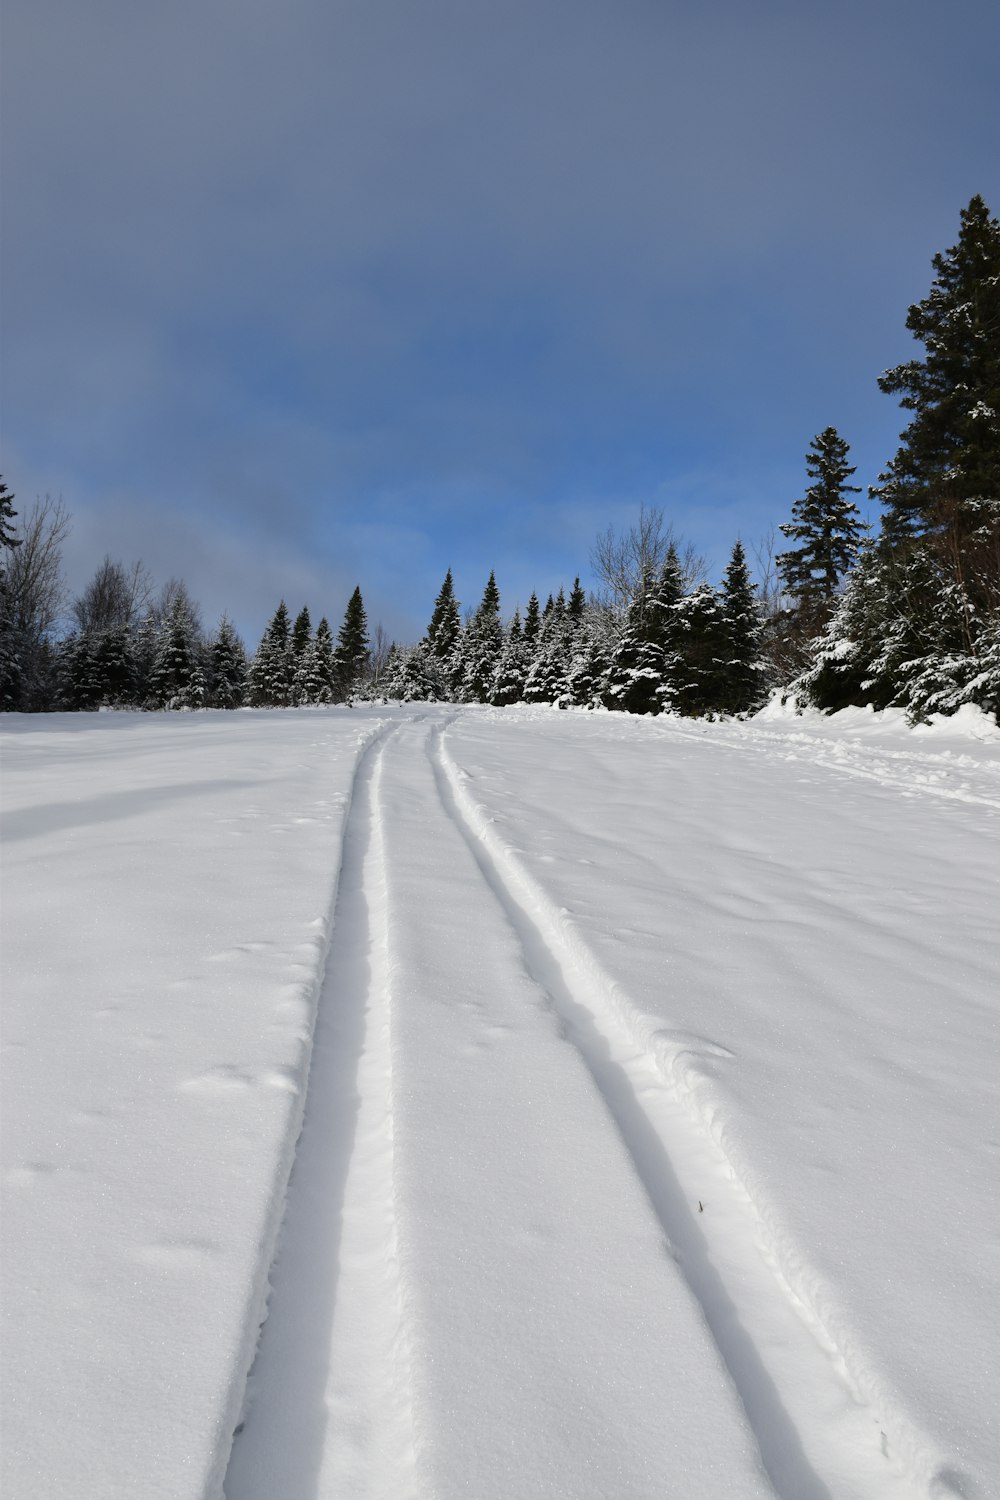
<point>329,1402</point>
<point>817,1435</point>
<point>815,964</point>
<point>537,1348</point>
<point>650,1134</point>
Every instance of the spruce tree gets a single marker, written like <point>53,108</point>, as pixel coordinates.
<point>741,669</point>
<point>512,666</point>
<point>301,632</point>
<point>826,524</point>
<point>696,680</point>
<point>577,602</point>
<point>178,679</point>
<point>325,662</point>
<point>481,647</point>
<point>945,478</point>
<point>227,667</point>
<point>351,655</point>
<point>10,662</point>
<point>270,676</point>
<point>446,622</point>
<point>8,533</point>
<point>532,621</point>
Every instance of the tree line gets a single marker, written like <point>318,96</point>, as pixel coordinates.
<point>907,616</point>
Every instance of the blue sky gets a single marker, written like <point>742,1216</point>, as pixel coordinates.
<point>329,292</point>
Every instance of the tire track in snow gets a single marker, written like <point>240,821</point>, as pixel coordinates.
<point>824,1428</point>
<point>329,1408</point>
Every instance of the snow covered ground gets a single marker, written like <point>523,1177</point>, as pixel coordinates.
<point>651,1136</point>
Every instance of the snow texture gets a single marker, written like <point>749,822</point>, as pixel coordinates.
<point>645,1075</point>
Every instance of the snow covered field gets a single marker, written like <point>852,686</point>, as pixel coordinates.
<point>652,1131</point>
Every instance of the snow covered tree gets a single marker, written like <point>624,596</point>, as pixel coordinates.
<point>325,663</point>
<point>827,525</point>
<point>10,669</point>
<point>512,666</point>
<point>639,670</point>
<point>351,655</point>
<point>948,464</point>
<point>32,604</point>
<point>741,671</point>
<point>270,678</point>
<point>227,667</point>
<point>178,679</point>
<point>532,622</point>
<point>481,647</point>
<point>577,602</point>
<point>446,623</point>
<point>301,632</point>
<point>8,533</point>
<point>694,684</point>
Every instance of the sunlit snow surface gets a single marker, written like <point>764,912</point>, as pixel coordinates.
<point>652,1132</point>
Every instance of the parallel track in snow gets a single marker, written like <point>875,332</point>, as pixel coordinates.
<point>826,1427</point>
<point>335,1371</point>
<point>329,1409</point>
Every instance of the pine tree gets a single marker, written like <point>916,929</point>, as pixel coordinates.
<point>227,667</point>
<point>512,667</point>
<point>301,632</point>
<point>178,680</point>
<point>8,533</point>
<point>446,623</point>
<point>826,523</point>
<point>325,662</point>
<point>948,466</point>
<point>577,602</point>
<point>270,678</point>
<point>547,677</point>
<point>639,672</point>
<point>351,655</point>
<point>696,680</point>
<point>10,662</point>
<point>481,647</point>
<point>741,669</point>
<point>532,622</point>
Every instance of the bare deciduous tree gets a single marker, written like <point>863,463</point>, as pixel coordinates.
<point>35,594</point>
<point>623,560</point>
<point>115,597</point>
<point>35,583</point>
<point>378,655</point>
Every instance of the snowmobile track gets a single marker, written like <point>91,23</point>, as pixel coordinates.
<point>838,1433</point>
<point>336,1297</point>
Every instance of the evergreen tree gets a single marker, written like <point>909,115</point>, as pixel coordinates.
<point>826,524</point>
<point>270,678</point>
<point>512,667</point>
<point>227,667</point>
<point>8,533</point>
<point>481,647</point>
<point>446,623</point>
<point>546,680</point>
<point>590,658</point>
<point>178,680</point>
<point>301,632</point>
<point>695,683</point>
<point>412,675</point>
<point>741,669</point>
<point>577,602</point>
<point>10,664</point>
<point>945,477</point>
<point>351,655</point>
<point>325,663</point>
<point>532,622</point>
<point>639,673</point>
